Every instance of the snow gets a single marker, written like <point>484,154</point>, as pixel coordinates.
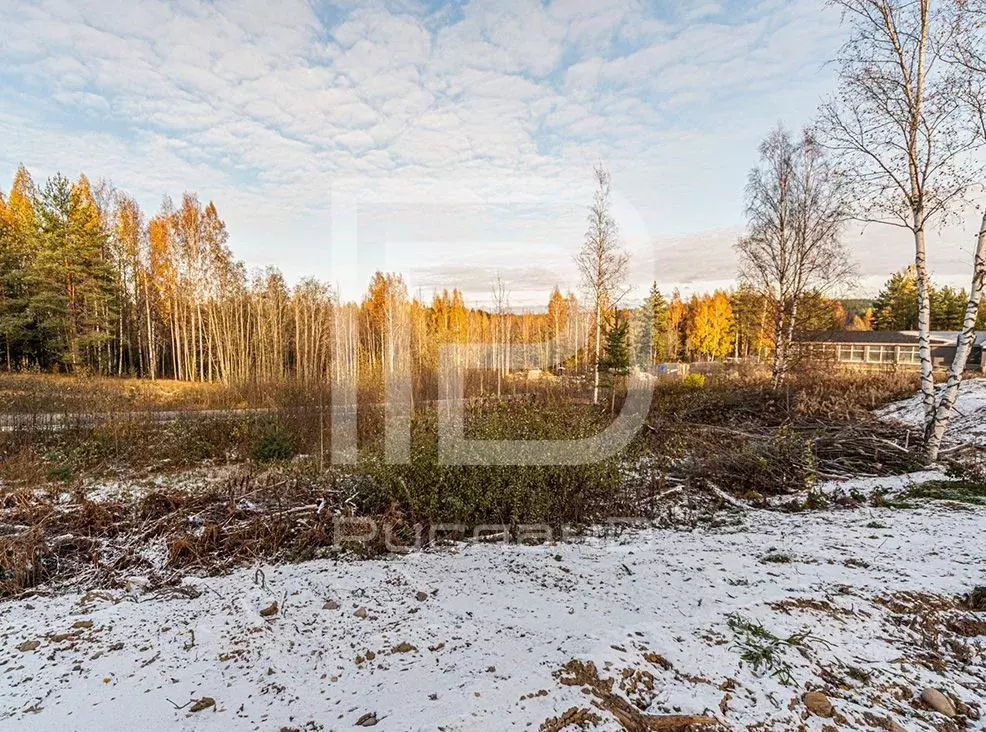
<point>496,622</point>
<point>887,484</point>
<point>968,421</point>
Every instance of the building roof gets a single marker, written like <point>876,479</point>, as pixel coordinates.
<point>883,337</point>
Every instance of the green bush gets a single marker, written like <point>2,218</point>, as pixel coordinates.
<point>60,473</point>
<point>273,444</point>
<point>426,490</point>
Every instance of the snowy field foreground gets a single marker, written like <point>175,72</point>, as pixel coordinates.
<point>862,604</point>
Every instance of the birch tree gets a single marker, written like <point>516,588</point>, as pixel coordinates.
<point>967,55</point>
<point>899,126</point>
<point>602,264</point>
<point>795,209</point>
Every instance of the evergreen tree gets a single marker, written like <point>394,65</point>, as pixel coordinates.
<point>948,308</point>
<point>750,318</point>
<point>71,304</point>
<point>654,341</point>
<point>896,307</point>
<point>616,352</point>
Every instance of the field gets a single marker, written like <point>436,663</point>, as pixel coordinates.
<point>752,560</point>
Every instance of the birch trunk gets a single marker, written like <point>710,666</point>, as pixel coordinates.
<point>943,412</point>
<point>595,366</point>
<point>924,322</point>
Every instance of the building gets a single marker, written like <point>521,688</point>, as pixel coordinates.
<point>886,349</point>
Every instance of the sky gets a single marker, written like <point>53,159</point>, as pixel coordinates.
<point>450,142</point>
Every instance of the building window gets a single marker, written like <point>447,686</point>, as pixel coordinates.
<point>880,354</point>
<point>854,354</point>
<point>823,351</point>
<point>909,354</point>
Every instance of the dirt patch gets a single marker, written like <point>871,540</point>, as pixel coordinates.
<point>630,717</point>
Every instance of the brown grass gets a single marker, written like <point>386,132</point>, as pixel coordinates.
<point>277,516</point>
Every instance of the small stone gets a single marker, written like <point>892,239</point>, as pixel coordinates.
<point>362,615</point>
<point>818,704</point>
<point>938,701</point>
<point>331,605</point>
<point>421,596</point>
<point>367,720</point>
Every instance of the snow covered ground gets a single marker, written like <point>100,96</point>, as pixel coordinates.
<point>968,422</point>
<point>474,637</point>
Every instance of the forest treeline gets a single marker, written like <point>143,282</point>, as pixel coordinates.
<point>89,284</point>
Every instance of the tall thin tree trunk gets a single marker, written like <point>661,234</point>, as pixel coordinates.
<point>595,366</point>
<point>943,412</point>
<point>924,321</point>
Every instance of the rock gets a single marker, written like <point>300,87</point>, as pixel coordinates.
<point>28,646</point>
<point>269,612</point>
<point>403,648</point>
<point>421,596</point>
<point>206,702</point>
<point>82,624</point>
<point>331,605</point>
<point>367,720</point>
<point>361,613</point>
<point>938,701</point>
<point>818,704</point>
<point>892,726</point>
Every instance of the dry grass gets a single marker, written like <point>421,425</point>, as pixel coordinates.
<point>279,515</point>
<point>41,393</point>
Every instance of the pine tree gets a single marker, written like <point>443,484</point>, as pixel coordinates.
<point>947,308</point>
<point>652,345</point>
<point>616,351</point>
<point>896,307</point>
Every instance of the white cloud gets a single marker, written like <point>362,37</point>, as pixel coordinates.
<point>263,108</point>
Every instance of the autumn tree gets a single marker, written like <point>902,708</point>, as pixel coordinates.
<point>711,329</point>
<point>18,247</point>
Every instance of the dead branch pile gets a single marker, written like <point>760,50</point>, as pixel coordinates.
<point>89,543</point>
<point>771,461</point>
<point>748,439</point>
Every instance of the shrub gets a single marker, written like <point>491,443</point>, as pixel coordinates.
<point>60,473</point>
<point>694,381</point>
<point>428,491</point>
<point>273,444</point>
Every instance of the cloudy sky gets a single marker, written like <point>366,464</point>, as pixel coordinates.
<point>446,141</point>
